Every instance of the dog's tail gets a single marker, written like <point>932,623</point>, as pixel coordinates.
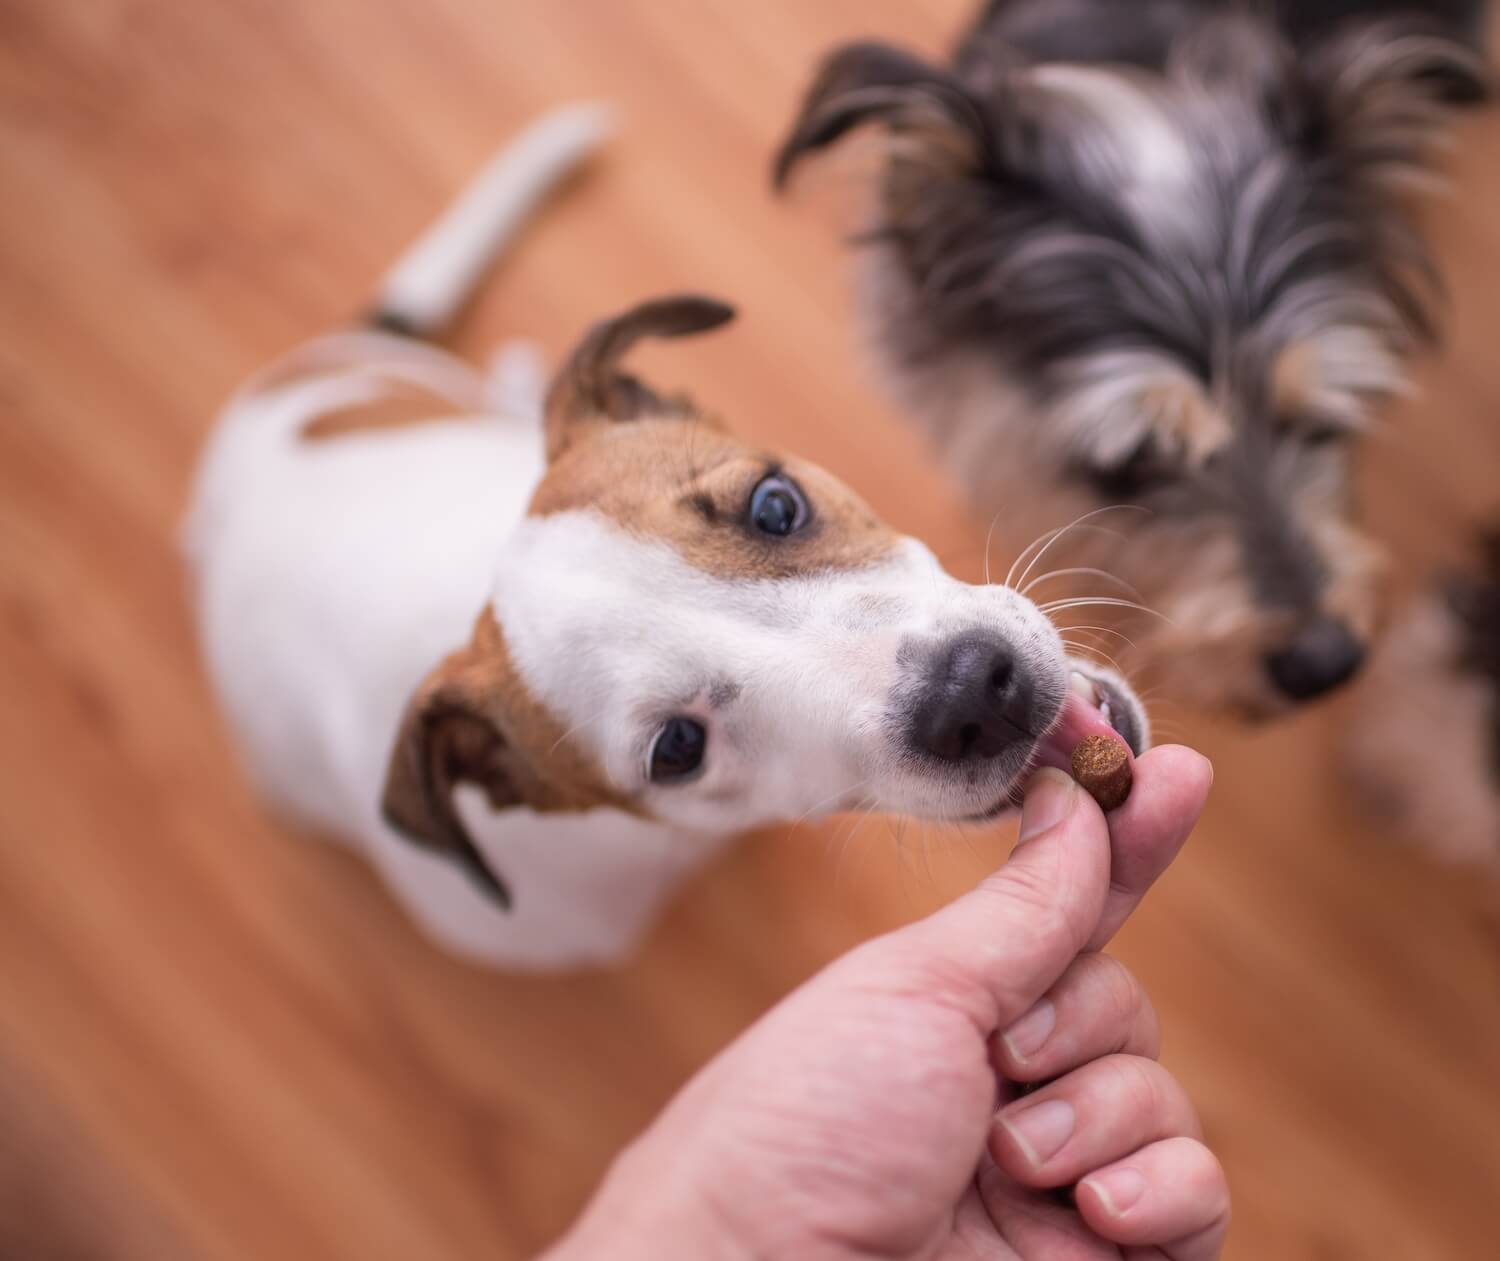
<point>424,291</point>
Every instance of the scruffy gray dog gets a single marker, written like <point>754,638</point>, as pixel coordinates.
<point>1157,257</point>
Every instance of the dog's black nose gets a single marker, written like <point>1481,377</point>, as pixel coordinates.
<point>1322,655</point>
<point>978,701</point>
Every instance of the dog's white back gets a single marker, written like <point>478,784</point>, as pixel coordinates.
<point>331,575</point>
<point>328,578</point>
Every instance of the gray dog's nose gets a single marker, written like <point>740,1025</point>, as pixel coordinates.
<point>1322,655</point>
<point>978,701</point>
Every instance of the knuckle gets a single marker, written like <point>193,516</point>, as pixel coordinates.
<point>1124,996</point>
<point>1138,1082</point>
<point>1126,1007</point>
<point>1146,1037</point>
<point>1024,891</point>
<point>1058,904</point>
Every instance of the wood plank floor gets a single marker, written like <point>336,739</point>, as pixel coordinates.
<point>218,1040</point>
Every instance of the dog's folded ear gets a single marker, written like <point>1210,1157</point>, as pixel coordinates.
<point>449,736</point>
<point>1381,91</point>
<point>875,83</point>
<point>592,388</point>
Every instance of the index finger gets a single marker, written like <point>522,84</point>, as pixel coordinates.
<point>1146,833</point>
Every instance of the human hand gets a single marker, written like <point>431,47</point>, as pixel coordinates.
<point>858,1118</point>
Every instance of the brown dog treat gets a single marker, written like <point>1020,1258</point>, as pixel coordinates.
<point>1102,766</point>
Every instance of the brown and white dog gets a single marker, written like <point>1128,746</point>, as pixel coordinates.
<point>539,672</point>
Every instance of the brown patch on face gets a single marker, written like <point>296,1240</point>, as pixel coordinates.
<point>1186,419</point>
<point>474,721</point>
<point>399,404</point>
<point>1296,379</point>
<point>662,468</point>
<point>688,484</point>
<point>1358,567</point>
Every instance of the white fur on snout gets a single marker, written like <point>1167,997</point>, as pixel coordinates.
<point>615,633</point>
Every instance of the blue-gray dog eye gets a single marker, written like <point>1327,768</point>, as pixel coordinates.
<point>777,506</point>
<point>678,751</point>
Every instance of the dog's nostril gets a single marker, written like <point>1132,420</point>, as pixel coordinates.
<point>1323,655</point>
<point>977,702</point>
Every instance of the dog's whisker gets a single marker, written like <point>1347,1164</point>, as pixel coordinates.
<point>573,731</point>
<point>1079,527</point>
<point>1099,656</point>
<point>906,872</point>
<point>856,822</point>
<point>925,850</point>
<point>834,796</point>
<point>1081,572</point>
<point>1059,606</point>
<point>1043,540</point>
<point>898,829</point>
<point>1078,521</point>
<point>1103,630</point>
<point>1082,635</point>
<point>1021,558</point>
<point>989,538</point>
<point>1094,650</point>
<point>843,842</point>
<point>1155,698</point>
<point>1044,537</point>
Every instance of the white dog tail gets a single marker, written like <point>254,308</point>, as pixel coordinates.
<point>423,292</point>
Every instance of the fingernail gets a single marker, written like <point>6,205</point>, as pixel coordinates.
<point>1040,1130</point>
<point>1049,800</point>
<point>1119,1190</point>
<point>1030,1033</point>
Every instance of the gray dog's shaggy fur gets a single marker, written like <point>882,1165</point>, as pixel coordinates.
<point>1158,253</point>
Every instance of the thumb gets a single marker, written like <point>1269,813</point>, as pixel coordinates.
<point>1000,947</point>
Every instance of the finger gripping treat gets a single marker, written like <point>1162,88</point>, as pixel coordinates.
<point>1102,766</point>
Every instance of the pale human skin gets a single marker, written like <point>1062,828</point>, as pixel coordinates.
<point>875,1112</point>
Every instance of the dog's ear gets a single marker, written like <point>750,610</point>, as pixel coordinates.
<point>876,83</point>
<point>449,735</point>
<point>591,388</point>
<point>1381,92</point>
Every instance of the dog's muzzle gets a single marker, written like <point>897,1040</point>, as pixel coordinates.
<point>982,702</point>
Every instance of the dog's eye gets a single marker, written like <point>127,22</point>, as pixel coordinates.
<point>1324,435</point>
<point>1141,471</point>
<point>777,506</point>
<point>678,751</point>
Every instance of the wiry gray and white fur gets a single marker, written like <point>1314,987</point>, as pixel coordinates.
<point>1159,253</point>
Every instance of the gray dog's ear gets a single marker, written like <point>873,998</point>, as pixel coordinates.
<point>1381,92</point>
<point>876,83</point>
<point>591,387</point>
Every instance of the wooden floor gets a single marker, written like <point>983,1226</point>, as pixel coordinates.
<point>218,1040</point>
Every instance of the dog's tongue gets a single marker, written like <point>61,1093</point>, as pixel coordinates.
<point>1080,717</point>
